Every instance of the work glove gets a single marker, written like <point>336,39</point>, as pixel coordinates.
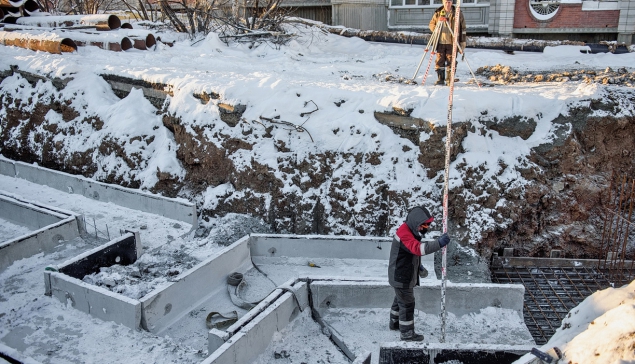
<point>443,240</point>
<point>423,272</point>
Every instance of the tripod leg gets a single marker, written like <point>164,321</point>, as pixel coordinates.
<point>435,41</point>
<point>465,58</point>
<point>426,50</point>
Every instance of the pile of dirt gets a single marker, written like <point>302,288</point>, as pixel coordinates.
<point>506,75</point>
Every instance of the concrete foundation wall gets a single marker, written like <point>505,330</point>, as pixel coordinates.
<point>461,298</point>
<point>176,209</point>
<point>165,305</point>
<point>24,213</point>
<point>319,246</point>
<point>53,228</point>
<point>254,337</point>
<point>96,301</point>
<point>93,300</point>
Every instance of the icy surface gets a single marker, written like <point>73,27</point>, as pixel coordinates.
<point>9,230</point>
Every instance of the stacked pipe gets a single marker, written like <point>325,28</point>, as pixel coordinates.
<point>112,41</point>
<point>98,21</point>
<point>11,10</point>
<point>82,30</point>
<point>51,43</point>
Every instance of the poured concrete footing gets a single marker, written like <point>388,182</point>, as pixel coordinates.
<point>342,282</point>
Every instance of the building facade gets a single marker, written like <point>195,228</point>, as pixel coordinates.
<point>582,20</point>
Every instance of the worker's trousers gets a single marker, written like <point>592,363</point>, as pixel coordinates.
<point>444,56</point>
<point>403,309</point>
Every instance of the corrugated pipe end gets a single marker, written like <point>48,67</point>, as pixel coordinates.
<point>114,22</point>
<point>126,43</point>
<point>150,41</point>
<point>68,46</point>
<point>126,26</point>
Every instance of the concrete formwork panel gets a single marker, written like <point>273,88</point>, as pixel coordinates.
<point>7,168</point>
<point>64,282</point>
<point>461,298</point>
<point>253,338</point>
<point>28,215</point>
<point>320,246</point>
<point>93,300</point>
<point>335,256</point>
<point>53,226</point>
<point>177,209</point>
<point>165,305</point>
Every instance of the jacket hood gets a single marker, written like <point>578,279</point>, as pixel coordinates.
<point>416,217</point>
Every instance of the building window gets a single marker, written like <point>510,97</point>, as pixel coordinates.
<point>544,10</point>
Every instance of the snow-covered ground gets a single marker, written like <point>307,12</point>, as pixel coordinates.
<point>346,79</point>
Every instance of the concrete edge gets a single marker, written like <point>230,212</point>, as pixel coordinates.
<point>95,250</point>
<point>43,240</point>
<point>166,304</point>
<point>15,355</point>
<point>462,298</point>
<point>177,209</point>
<point>93,300</point>
<point>255,336</point>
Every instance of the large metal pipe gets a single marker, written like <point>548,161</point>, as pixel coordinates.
<point>51,43</point>
<point>100,21</point>
<point>143,39</point>
<point>1,14</point>
<point>108,41</point>
<point>31,7</point>
<point>11,11</point>
<point>112,41</point>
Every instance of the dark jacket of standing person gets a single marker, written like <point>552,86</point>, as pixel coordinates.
<point>403,268</point>
<point>407,249</point>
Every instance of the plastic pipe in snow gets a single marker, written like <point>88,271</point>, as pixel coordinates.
<point>101,21</point>
<point>51,43</point>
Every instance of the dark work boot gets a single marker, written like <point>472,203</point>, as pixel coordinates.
<point>393,324</point>
<point>441,77</point>
<point>411,335</point>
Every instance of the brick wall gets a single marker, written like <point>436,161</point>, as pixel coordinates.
<point>568,16</point>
